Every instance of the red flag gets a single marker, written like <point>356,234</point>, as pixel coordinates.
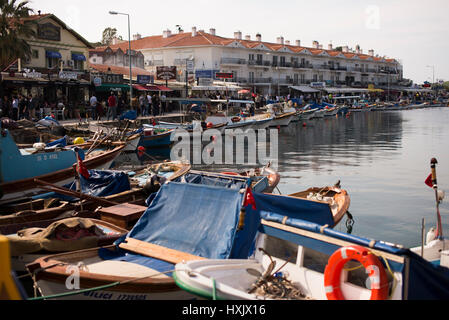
<point>429,181</point>
<point>250,200</point>
<point>82,169</point>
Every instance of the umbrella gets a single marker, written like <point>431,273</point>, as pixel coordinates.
<point>244,91</point>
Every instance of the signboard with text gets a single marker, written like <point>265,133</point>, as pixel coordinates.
<point>224,75</point>
<point>166,73</point>
<point>145,79</point>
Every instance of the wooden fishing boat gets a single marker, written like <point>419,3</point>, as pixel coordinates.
<point>319,114</point>
<point>283,120</point>
<point>272,177</point>
<point>140,266</point>
<point>31,241</point>
<point>299,260</point>
<point>338,200</point>
<point>55,167</point>
<point>306,114</point>
<point>156,138</point>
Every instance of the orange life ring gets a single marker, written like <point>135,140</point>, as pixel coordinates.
<point>377,274</point>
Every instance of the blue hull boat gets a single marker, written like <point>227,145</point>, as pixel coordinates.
<point>19,167</point>
<point>152,138</point>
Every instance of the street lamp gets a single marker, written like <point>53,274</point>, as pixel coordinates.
<point>129,52</point>
<point>433,72</point>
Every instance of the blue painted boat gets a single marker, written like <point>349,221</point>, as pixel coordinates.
<point>313,262</point>
<point>156,137</point>
<point>19,167</point>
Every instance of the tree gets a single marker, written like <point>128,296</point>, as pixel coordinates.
<point>14,29</point>
<point>108,35</point>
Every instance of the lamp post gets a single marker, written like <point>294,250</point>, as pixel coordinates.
<point>129,52</point>
<point>433,73</point>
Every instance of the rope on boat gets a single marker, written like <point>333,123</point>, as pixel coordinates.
<point>274,285</point>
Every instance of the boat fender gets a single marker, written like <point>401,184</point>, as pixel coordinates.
<point>375,269</point>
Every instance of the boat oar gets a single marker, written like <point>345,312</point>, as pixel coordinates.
<point>433,164</point>
<point>51,187</point>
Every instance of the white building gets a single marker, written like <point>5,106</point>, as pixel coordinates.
<point>268,67</point>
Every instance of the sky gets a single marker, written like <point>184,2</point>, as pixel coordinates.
<point>414,32</point>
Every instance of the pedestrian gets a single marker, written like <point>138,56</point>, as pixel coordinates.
<point>150,103</point>
<point>32,104</point>
<point>93,106</point>
<point>112,107</point>
<point>15,108</point>
<point>141,109</point>
<point>146,106</point>
<point>24,107</point>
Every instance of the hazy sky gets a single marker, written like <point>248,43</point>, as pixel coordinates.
<point>415,32</point>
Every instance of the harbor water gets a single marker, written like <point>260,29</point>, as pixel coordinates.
<point>381,158</point>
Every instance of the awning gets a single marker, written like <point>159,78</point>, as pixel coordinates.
<point>78,57</point>
<point>344,90</point>
<point>158,88</point>
<point>112,87</point>
<point>140,87</point>
<point>53,54</point>
<point>304,89</point>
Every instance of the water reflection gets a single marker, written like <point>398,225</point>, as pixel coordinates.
<point>381,158</point>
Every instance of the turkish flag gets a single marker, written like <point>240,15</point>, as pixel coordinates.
<point>250,200</point>
<point>429,181</point>
<point>82,169</point>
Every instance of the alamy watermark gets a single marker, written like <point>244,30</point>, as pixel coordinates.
<point>231,147</point>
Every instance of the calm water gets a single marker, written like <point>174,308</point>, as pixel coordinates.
<point>381,159</point>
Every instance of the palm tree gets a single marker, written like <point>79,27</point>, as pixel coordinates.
<point>13,31</point>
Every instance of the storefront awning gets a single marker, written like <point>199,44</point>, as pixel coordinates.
<point>158,88</point>
<point>304,89</point>
<point>112,87</point>
<point>345,90</point>
<point>78,57</point>
<point>140,87</point>
<point>53,54</point>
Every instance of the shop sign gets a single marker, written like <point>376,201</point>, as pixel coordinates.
<point>97,81</point>
<point>48,31</point>
<point>111,78</point>
<point>318,84</point>
<point>68,75</point>
<point>32,74</point>
<point>166,73</point>
<point>145,79</point>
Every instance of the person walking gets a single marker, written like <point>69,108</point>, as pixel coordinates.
<point>93,106</point>
<point>145,107</point>
<point>33,103</point>
<point>15,108</point>
<point>112,108</point>
<point>23,108</point>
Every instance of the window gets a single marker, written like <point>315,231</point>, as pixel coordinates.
<point>315,78</point>
<point>275,61</point>
<point>259,57</point>
<point>52,63</point>
<point>303,78</point>
<point>35,54</point>
<point>251,57</point>
<point>78,65</point>
<point>282,61</point>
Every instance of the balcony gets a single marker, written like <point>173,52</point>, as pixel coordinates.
<point>232,61</point>
<point>259,63</point>
<point>302,66</point>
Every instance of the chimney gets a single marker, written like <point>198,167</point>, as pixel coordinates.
<point>212,31</point>
<point>248,37</point>
<point>137,36</point>
<point>345,49</point>
<point>330,47</point>
<point>259,37</point>
<point>194,32</point>
<point>298,43</point>
<point>371,52</point>
<point>287,42</point>
<point>238,35</point>
<point>316,45</point>
<point>280,40</point>
<point>167,34</point>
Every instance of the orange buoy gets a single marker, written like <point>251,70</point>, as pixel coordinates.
<point>377,274</point>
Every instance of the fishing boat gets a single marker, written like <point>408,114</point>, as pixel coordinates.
<point>319,114</point>
<point>336,198</point>
<point>270,184</point>
<point>30,241</point>
<point>306,114</point>
<point>301,260</point>
<point>54,167</point>
<point>210,224</point>
<point>283,114</point>
<point>152,137</point>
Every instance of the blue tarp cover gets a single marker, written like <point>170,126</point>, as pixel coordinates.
<point>196,219</point>
<point>215,180</point>
<point>99,184</point>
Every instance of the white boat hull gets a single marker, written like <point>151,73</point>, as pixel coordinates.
<point>49,288</point>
